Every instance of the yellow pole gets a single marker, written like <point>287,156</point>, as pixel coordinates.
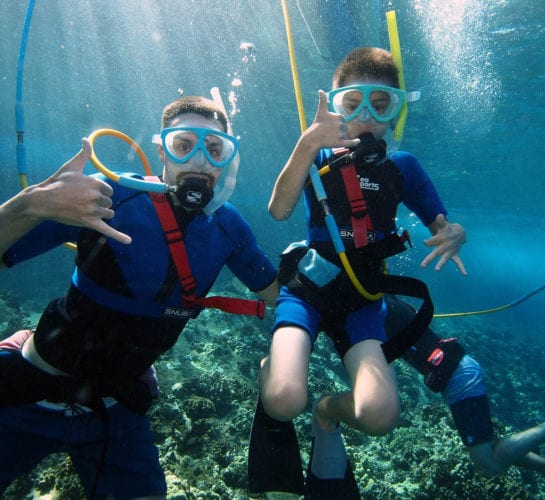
<point>395,49</point>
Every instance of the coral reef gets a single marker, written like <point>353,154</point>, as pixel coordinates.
<point>208,390</point>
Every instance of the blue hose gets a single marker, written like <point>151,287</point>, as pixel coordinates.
<point>19,107</point>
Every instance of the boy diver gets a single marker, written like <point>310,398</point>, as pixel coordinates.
<point>364,185</point>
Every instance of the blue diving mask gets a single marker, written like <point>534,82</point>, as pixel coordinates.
<point>182,143</point>
<point>379,101</point>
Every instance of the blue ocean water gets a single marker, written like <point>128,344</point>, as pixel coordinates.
<point>478,128</point>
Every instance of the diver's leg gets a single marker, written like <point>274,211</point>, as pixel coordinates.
<point>24,441</point>
<point>373,404</point>
<point>115,455</point>
<point>516,449</point>
<point>283,375</point>
<point>274,459</point>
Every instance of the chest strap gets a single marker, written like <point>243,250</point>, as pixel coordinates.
<point>176,245</point>
<point>361,220</point>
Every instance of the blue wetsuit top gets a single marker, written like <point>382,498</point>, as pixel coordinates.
<point>126,299</point>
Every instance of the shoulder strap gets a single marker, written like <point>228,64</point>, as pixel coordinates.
<point>176,245</point>
<point>361,220</point>
<point>175,241</point>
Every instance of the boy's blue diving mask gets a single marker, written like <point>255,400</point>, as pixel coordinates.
<point>182,143</point>
<point>365,101</point>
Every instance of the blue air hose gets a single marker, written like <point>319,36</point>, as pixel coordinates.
<point>19,107</point>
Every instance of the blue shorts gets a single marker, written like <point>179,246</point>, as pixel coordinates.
<point>131,467</point>
<point>363,324</point>
<point>467,381</point>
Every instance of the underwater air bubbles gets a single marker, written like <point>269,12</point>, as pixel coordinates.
<point>233,108</point>
<point>248,56</point>
<point>463,74</point>
<point>248,52</point>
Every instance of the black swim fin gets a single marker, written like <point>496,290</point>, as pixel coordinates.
<point>274,460</point>
<point>331,489</point>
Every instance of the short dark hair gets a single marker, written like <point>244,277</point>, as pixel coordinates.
<point>193,104</point>
<point>366,62</point>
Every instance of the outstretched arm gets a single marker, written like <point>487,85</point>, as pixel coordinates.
<point>447,239</point>
<point>68,196</point>
<point>328,130</point>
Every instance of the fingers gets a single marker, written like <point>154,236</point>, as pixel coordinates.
<point>322,101</point>
<point>110,232</point>
<point>456,259</point>
<point>77,162</point>
<point>330,130</point>
<point>441,220</point>
<point>443,260</point>
<point>441,263</point>
<point>106,191</point>
<point>350,143</point>
<point>86,147</point>
<point>430,242</point>
<point>322,111</point>
<point>429,258</point>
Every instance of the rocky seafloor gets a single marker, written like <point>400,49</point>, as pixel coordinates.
<point>208,392</point>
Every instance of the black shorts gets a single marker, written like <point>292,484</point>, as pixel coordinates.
<point>473,420</point>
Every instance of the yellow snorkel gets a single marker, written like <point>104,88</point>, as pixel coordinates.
<point>395,50</point>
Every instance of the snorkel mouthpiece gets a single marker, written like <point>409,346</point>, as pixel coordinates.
<point>194,193</point>
<point>369,151</point>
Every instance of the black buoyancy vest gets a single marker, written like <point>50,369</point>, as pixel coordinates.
<point>382,189</point>
<point>381,186</point>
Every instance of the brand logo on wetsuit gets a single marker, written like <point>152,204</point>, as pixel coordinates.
<point>177,313</point>
<point>370,186</point>
<point>349,234</point>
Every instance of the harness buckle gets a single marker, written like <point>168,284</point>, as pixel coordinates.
<point>173,236</point>
<point>189,284</point>
<point>405,237</point>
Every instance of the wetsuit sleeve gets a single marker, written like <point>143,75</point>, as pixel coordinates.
<point>45,236</point>
<point>419,193</point>
<point>248,261</point>
<point>41,239</point>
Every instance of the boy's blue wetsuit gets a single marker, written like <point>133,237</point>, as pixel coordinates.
<point>337,307</point>
<point>122,311</point>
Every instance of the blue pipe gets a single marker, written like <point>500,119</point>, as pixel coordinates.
<point>330,221</point>
<point>19,107</point>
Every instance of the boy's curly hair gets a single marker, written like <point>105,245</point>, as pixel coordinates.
<point>366,62</point>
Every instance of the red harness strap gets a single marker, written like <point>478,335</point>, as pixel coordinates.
<point>361,220</point>
<point>176,246</point>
